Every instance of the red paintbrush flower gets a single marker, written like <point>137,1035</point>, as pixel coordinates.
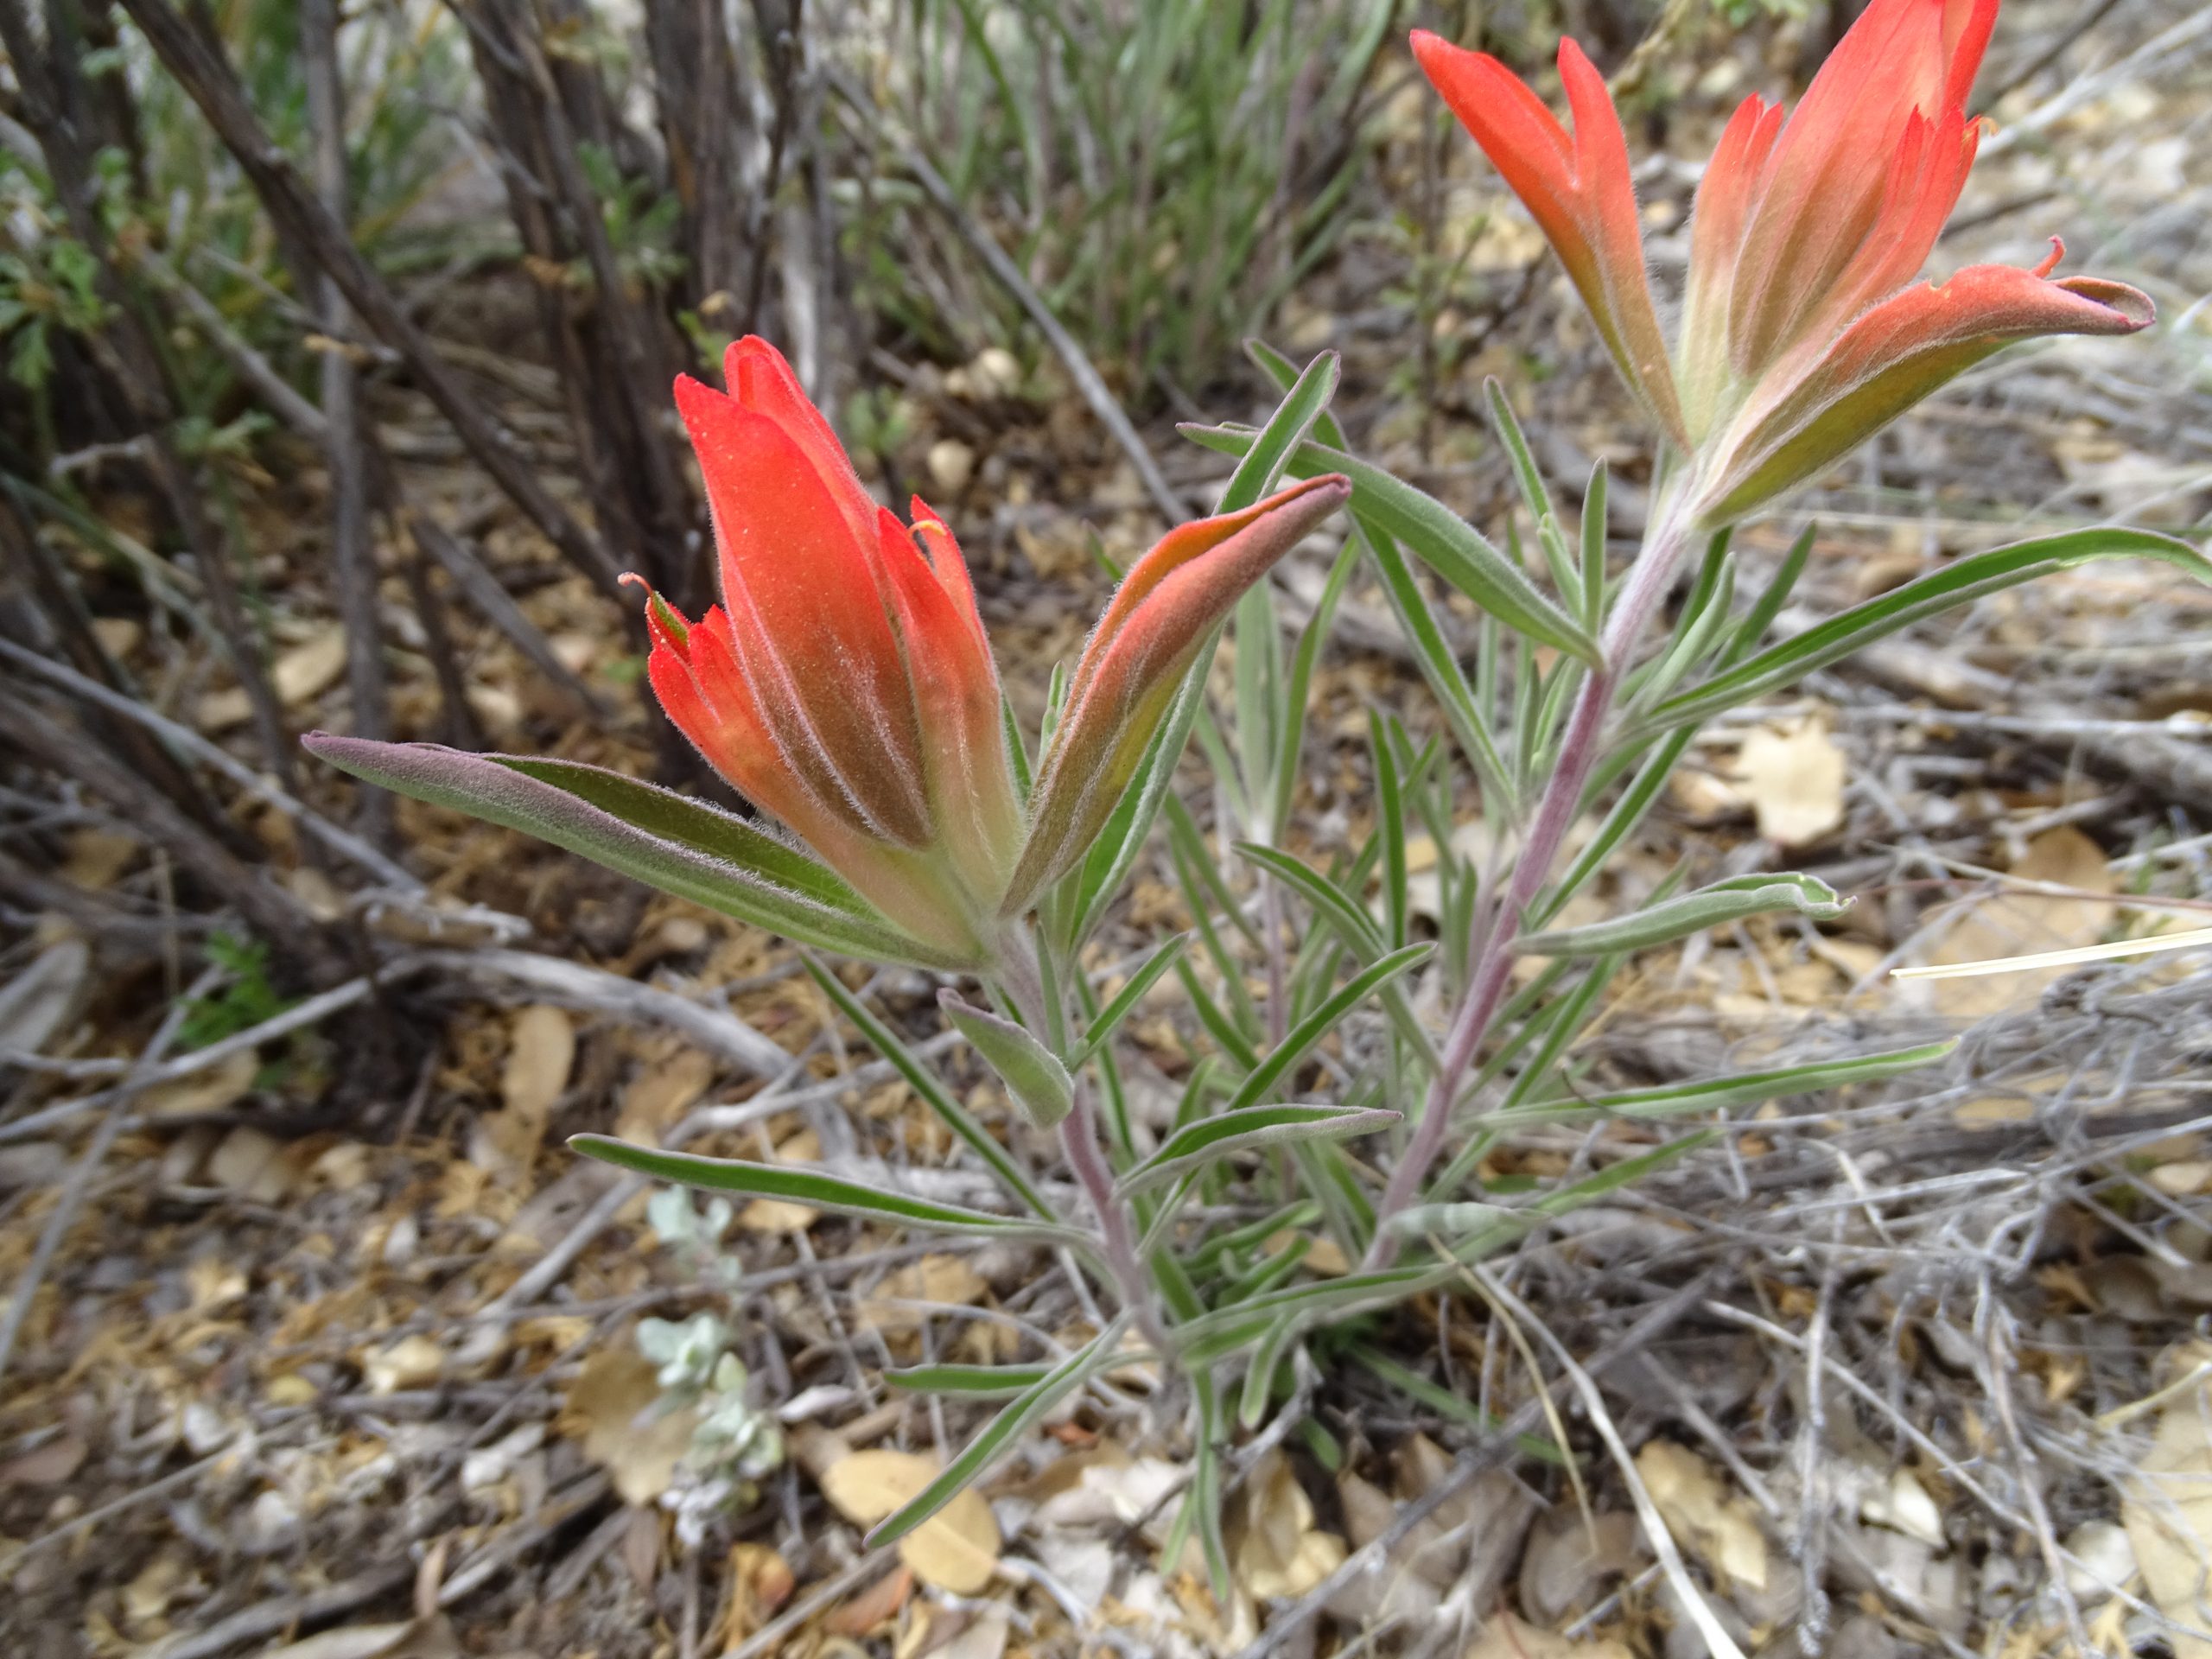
<point>1804,329</point>
<point>845,685</point>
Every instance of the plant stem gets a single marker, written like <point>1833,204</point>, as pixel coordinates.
<point>1022,977</point>
<point>1580,751</point>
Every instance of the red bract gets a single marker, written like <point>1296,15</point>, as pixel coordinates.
<point>1803,328</point>
<point>1164,610</point>
<point>844,683</point>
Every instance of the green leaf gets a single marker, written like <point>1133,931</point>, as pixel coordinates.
<point>1291,737</point>
<point>926,1083</point>
<point>695,851</point>
<point>1240,1129</point>
<point>1102,1028</point>
<point>1299,1041</point>
<point>1260,1373</point>
<point>1534,495</point>
<point>1955,584</point>
<point>1031,1071</point>
<point>1593,548</point>
<point>1337,910</point>
<point>816,1190</point>
<point>998,1436</point>
<point>971,1381</point>
<point>1731,900</point>
<point>1257,474</point>
<point>1397,902</point>
<point>1718,1094</point>
<point>1779,587</point>
<point>1465,712</point>
<point>1442,540</point>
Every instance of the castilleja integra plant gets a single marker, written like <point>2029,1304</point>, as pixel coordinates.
<point>845,687</point>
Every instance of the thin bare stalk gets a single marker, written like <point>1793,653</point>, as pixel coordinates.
<point>1580,751</point>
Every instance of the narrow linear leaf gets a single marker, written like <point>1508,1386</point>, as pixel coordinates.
<point>1291,737</point>
<point>1260,1373</point>
<point>710,857</point>
<point>1257,474</point>
<point>1463,710</point>
<point>1731,900</point>
<point>1243,1128</point>
<point>1299,1041</point>
<point>815,1190</point>
<point>1440,537</point>
<point>1102,1029</point>
<point>971,1381</point>
<point>1031,1071</point>
<point>998,1436</point>
<point>1955,584</point>
<point>1718,1094</point>
<point>926,1083</point>
<point>1442,1400</point>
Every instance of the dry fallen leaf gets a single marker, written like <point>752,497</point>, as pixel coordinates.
<point>1718,1526</point>
<point>662,1093</point>
<point>955,1550</point>
<point>1794,777</point>
<point>48,1465</point>
<point>951,1280</point>
<point>411,1362</point>
<point>309,668</point>
<point>413,1638</point>
<point>253,1165</point>
<point>541,1048</point>
<point>1572,1561</point>
<point>1507,1637</point>
<point>219,1086</point>
<point>2168,1505</point>
<point>776,1214</point>
<point>1276,1550</point>
<point>760,1582</point>
<point>609,1408</point>
<point>2015,923</point>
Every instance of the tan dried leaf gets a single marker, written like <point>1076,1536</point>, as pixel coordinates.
<point>662,1093</point>
<point>1276,1549</point>
<point>944,1278</point>
<point>1507,1637</point>
<point>1719,1526</point>
<point>1794,777</point>
<point>610,1409</point>
<point>541,1049</point>
<point>2017,924</point>
<point>411,1362</point>
<point>220,1086</point>
<point>310,668</point>
<point>955,1550</point>
<point>2167,1506</point>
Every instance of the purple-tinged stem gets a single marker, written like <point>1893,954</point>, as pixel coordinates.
<point>1080,1145</point>
<point>1579,753</point>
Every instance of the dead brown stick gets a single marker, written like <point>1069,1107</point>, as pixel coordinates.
<point>352,554</point>
<point>199,66</point>
<point>271,913</point>
<point>54,101</point>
